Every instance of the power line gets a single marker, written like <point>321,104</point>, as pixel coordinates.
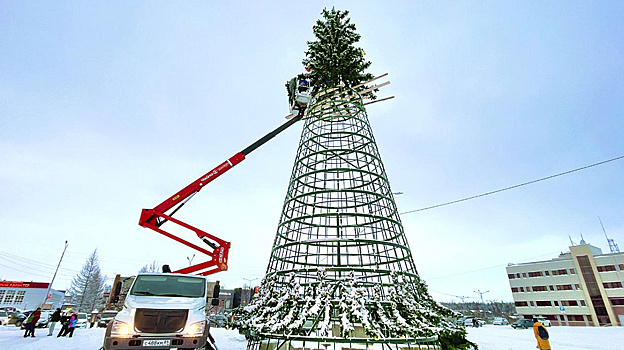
<point>512,187</point>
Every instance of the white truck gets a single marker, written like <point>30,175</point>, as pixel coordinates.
<point>163,311</point>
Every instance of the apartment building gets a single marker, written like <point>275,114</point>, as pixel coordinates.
<point>582,287</point>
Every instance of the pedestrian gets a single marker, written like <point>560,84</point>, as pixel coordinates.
<point>56,317</point>
<point>31,322</point>
<point>65,324</point>
<point>541,335</point>
<point>73,319</point>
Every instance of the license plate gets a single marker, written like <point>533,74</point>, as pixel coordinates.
<point>165,342</point>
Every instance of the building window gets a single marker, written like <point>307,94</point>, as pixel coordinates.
<point>547,273</point>
<point>577,286</point>
<point>621,267</point>
<point>551,287</point>
<point>616,301</point>
<point>521,303</point>
<point>517,275</point>
<point>582,302</point>
<point>20,297</point>
<point>569,303</point>
<point>556,303</point>
<point>535,274</point>
<point>612,284</point>
<point>589,318</point>
<point>543,303</point>
<point>559,272</point>
<point>524,274</point>
<point>511,276</point>
<point>539,288</point>
<point>2,295</point>
<point>514,289</point>
<point>521,289</point>
<point>576,318</point>
<point>531,303</point>
<point>8,299</point>
<point>572,272</point>
<point>564,287</point>
<point>606,268</point>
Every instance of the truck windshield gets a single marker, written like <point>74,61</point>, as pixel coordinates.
<point>168,286</point>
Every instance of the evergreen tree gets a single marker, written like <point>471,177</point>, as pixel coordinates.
<point>88,285</point>
<point>332,59</point>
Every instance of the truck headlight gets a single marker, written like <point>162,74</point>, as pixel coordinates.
<point>195,329</point>
<point>120,328</point>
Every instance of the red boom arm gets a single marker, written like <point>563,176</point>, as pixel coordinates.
<point>155,218</point>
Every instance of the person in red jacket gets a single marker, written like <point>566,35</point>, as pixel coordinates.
<point>31,322</point>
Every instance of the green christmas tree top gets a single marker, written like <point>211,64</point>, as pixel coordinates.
<point>332,59</point>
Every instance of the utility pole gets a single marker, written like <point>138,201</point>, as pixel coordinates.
<point>462,297</point>
<point>481,295</point>
<point>53,277</point>
<point>248,293</point>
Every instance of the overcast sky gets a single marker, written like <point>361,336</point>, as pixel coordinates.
<point>110,107</point>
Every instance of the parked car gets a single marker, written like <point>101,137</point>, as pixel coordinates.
<point>106,316</point>
<point>500,321</point>
<point>4,318</point>
<point>544,321</point>
<point>217,320</point>
<point>522,323</point>
<point>470,322</point>
<point>17,318</point>
<point>44,319</point>
<point>83,320</point>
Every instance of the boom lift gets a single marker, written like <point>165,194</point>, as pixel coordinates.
<point>218,248</point>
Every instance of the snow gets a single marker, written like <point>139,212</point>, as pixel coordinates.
<point>487,337</point>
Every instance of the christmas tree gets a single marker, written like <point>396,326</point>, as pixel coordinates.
<point>341,272</point>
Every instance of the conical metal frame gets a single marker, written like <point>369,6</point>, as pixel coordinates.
<point>339,220</point>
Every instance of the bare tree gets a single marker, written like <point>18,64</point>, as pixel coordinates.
<point>88,285</point>
<point>153,267</point>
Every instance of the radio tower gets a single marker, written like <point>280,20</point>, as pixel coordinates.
<point>341,273</point>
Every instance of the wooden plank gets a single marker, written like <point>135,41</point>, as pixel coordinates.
<point>380,100</point>
<point>373,88</point>
<point>370,81</point>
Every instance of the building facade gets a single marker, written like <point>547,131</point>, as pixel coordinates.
<point>29,295</point>
<point>583,287</point>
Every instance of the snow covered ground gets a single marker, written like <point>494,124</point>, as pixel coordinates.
<point>487,337</point>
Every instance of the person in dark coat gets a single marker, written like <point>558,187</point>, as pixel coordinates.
<point>31,322</point>
<point>56,317</point>
<point>65,324</point>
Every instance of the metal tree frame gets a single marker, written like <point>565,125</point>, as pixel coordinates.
<point>339,217</point>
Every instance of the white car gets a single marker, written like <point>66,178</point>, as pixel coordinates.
<point>544,321</point>
<point>4,317</point>
<point>500,321</point>
<point>82,320</point>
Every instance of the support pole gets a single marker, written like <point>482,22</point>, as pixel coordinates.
<point>53,277</point>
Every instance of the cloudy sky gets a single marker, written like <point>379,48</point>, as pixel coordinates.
<point>110,107</point>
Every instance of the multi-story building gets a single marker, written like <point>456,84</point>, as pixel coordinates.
<point>582,287</point>
<point>29,295</point>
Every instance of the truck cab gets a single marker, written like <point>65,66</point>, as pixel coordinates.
<point>162,311</point>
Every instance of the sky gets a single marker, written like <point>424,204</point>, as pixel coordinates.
<point>111,107</point>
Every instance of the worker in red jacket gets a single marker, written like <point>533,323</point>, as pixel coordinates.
<point>31,322</point>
